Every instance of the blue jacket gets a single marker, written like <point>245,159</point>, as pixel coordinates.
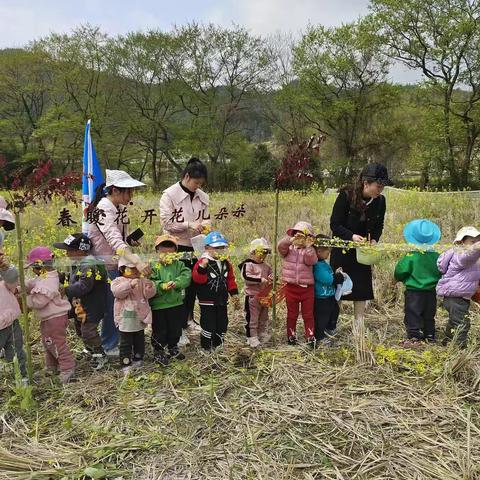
<point>324,280</point>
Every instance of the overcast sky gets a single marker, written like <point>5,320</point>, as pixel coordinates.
<point>25,20</point>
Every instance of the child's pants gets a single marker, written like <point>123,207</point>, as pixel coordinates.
<point>11,339</point>
<point>326,315</point>
<point>54,339</point>
<point>458,318</point>
<point>295,296</point>
<point>132,347</point>
<point>256,316</point>
<point>214,323</point>
<point>420,310</point>
<point>89,333</point>
<point>167,324</point>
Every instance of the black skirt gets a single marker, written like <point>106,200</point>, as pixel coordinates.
<point>360,274</point>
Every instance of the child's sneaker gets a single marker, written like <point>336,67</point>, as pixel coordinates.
<point>184,340</point>
<point>175,354</point>
<point>137,363</point>
<point>160,357</point>
<point>410,343</point>
<point>292,340</point>
<point>324,342</point>
<point>67,376</point>
<point>331,333</point>
<point>264,337</point>
<point>311,342</point>
<point>99,360</point>
<point>112,353</point>
<point>430,339</point>
<point>126,370</point>
<point>254,342</point>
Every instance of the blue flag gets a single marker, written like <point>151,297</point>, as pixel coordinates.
<point>92,175</point>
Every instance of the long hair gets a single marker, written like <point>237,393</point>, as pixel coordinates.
<point>195,168</point>
<point>101,192</point>
<point>355,192</point>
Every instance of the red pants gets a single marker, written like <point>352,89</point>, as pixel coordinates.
<point>296,296</point>
<point>54,339</point>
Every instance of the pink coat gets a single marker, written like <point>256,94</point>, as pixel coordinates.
<point>44,296</point>
<point>177,211</point>
<point>297,263</point>
<point>133,298</point>
<point>10,309</point>
<point>109,237</point>
<point>252,274</point>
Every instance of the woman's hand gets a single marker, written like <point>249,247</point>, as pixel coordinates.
<point>373,242</point>
<point>134,243</point>
<point>357,238</point>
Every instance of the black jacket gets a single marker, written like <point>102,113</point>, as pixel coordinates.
<point>346,220</point>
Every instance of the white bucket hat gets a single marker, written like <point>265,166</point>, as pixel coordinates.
<point>121,179</point>
<point>6,216</point>
<point>124,262</point>
<point>466,232</point>
<point>260,244</point>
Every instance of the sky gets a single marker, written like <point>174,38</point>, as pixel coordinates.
<point>24,20</point>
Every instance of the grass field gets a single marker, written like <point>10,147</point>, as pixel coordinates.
<point>277,413</point>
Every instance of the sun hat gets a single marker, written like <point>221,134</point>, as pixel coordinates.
<point>132,261</point>
<point>121,179</point>
<point>466,232</point>
<point>6,216</point>
<point>215,239</point>
<point>76,241</point>
<point>304,227</point>
<point>376,172</point>
<point>422,232</point>
<point>40,256</point>
<point>166,238</point>
<point>260,244</point>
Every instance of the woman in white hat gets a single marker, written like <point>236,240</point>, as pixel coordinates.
<point>108,234</point>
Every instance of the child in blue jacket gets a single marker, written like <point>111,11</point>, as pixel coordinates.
<point>326,309</point>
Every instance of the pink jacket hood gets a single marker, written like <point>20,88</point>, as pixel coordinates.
<point>177,211</point>
<point>297,263</point>
<point>44,296</point>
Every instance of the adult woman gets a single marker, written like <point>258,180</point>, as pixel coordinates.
<point>184,213</point>
<point>108,233</point>
<point>358,215</point>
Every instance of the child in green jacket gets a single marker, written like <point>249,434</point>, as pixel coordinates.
<point>418,271</point>
<point>171,277</point>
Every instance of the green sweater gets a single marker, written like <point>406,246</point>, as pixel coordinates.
<point>175,272</point>
<point>418,271</point>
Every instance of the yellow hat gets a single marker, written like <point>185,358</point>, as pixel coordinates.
<point>166,238</point>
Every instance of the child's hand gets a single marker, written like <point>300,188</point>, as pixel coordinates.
<point>263,281</point>
<point>4,263</point>
<point>164,286</point>
<point>61,289</point>
<point>134,283</point>
<point>299,240</point>
<point>339,270</point>
<point>236,302</point>
<point>309,241</point>
<point>171,285</point>
<point>204,262</point>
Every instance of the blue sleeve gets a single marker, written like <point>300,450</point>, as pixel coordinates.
<point>323,273</point>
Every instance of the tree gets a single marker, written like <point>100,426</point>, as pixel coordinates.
<point>342,76</point>
<point>441,39</point>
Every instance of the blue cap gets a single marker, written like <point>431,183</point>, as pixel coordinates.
<point>216,239</point>
<point>422,232</point>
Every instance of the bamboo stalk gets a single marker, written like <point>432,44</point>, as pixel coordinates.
<point>275,268</point>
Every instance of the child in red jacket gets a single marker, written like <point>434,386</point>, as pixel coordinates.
<point>215,281</point>
<point>299,256</point>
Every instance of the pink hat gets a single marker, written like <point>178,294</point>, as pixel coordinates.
<point>39,255</point>
<point>304,227</point>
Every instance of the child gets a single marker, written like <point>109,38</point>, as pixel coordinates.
<point>418,271</point>
<point>45,298</point>
<point>171,277</point>
<point>215,281</point>
<point>299,257</point>
<point>460,277</point>
<point>326,309</point>
<point>132,311</point>
<point>256,274</point>
<point>86,289</point>
<point>11,337</point>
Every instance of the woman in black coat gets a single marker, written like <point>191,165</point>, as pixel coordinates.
<point>358,215</point>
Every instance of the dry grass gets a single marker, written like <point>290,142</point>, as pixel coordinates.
<point>277,413</point>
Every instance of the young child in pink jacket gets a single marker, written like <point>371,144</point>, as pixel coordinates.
<point>132,311</point>
<point>299,256</point>
<point>51,308</point>
<point>256,275</point>
<point>11,336</point>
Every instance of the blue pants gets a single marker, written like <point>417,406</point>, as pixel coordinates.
<point>109,330</point>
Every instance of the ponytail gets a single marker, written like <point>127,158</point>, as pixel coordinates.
<point>99,194</point>
<point>195,168</point>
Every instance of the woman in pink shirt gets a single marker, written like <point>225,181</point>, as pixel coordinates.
<point>108,234</point>
<point>184,213</point>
